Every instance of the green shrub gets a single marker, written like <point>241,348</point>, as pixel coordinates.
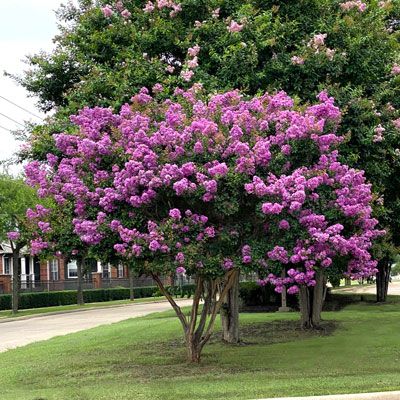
<point>66,297</point>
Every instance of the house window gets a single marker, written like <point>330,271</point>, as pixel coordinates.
<point>7,265</point>
<point>106,271</point>
<point>120,271</point>
<point>72,269</point>
<point>53,264</point>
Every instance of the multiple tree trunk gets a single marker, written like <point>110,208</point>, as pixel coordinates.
<point>382,280</point>
<point>198,325</point>
<point>311,302</point>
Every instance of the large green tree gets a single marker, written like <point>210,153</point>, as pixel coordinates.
<point>105,53</point>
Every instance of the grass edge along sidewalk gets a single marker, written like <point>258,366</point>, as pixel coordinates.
<point>6,315</point>
<point>359,396</point>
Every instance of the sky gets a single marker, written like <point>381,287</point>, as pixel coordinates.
<point>27,26</point>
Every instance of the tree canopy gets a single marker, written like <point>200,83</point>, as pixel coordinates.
<point>105,53</point>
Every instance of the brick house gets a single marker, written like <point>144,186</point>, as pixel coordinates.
<point>54,274</point>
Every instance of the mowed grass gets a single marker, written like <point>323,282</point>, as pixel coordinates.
<point>7,314</point>
<point>144,359</point>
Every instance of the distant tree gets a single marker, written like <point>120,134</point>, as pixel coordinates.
<point>15,198</point>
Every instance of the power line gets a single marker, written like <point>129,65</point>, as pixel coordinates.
<point>22,108</point>
<point>11,119</point>
<point>6,129</point>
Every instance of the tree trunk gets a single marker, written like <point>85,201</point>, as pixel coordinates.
<point>15,282</point>
<point>131,291</point>
<point>283,307</point>
<point>193,349</point>
<point>230,313</point>
<point>311,302</point>
<point>79,296</point>
<point>198,329</point>
<point>382,280</point>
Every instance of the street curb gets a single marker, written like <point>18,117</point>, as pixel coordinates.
<point>25,317</point>
<point>360,396</point>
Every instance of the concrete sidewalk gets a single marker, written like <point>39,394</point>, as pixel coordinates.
<point>20,332</point>
<point>360,396</point>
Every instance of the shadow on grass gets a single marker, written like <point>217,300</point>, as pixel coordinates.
<point>166,359</point>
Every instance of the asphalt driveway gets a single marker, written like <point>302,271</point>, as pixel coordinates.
<point>21,332</point>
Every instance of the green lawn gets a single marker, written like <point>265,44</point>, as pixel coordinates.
<point>6,314</point>
<point>143,358</point>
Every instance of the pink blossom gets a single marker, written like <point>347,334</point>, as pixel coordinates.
<point>157,88</point>
<point>395,69</point>
<point>317,41</point>
<point>348,5</point>
<point>378,137</point>
<point>193,63</point>
<point>235,27</point>
<point>126,14</point>
<point>187,75</point>
<point>228,264</point>
<point>330,53</point>
<point>215,13</point>
<point>175,214</point>
<point>180,258</point>
<point>271,208</point>
<point>180,270</point>
<point>194,51</point>
<point>293,290</point>
<point>149,7</point>
<point>13,235</point>
<point>297,60</point>
<point>284,225</point>
<point>107,11</point>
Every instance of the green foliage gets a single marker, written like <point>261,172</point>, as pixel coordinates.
<point>15,198</point>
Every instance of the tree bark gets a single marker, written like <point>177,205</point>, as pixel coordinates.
<point>15,281</point>
<point>230,313</point>
<point>79,294</point>
<point>311,302</point>
<point>382,280</point>
<point>131,290</point>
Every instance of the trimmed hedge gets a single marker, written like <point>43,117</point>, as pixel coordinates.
<point>66,297</point>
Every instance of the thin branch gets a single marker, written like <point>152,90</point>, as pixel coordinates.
<point>204,313</point>
<point>175,306</point>
<point>196,301</point>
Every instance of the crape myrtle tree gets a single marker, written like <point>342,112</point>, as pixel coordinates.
<point>15,198</point>
<point>192,184</point>
<point>107,50</point>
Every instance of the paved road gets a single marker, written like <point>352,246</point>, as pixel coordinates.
<point>22,332</point>
<point>394,288</point>
<point>363,396</point>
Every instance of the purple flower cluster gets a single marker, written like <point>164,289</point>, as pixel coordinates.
<point>187,149</point>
